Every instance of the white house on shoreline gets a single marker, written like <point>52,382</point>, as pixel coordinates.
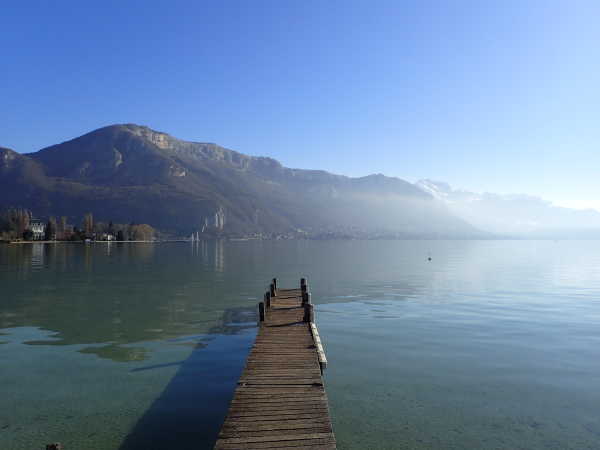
<point>38,228</point>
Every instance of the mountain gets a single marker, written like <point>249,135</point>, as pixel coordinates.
<point>516,215</point>
<point>130,172</point>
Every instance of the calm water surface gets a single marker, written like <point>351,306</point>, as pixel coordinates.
<point>491,344</point>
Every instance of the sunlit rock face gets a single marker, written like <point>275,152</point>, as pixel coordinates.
<point>118,160</point>
<point>175,171</point>
<point>7,156</point>
<point>161,140</point>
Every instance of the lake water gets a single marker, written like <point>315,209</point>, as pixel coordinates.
<point>491,344</point>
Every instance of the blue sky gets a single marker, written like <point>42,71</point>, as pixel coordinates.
<point>488,96</point>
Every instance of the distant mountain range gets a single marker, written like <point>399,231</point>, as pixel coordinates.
<point>515,215</point>
<point>132,173</point>
<point>128,173</point>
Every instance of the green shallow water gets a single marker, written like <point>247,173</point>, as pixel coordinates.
<point>491,344</point>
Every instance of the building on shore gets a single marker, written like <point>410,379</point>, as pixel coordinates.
<point>38,229</point>
<point>219,219</point>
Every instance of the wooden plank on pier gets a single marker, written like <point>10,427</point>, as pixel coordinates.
<point>280,401</point>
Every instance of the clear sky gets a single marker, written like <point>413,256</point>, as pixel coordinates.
<point>489,96</point>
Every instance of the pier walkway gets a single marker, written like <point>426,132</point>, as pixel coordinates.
<point>280,401</point>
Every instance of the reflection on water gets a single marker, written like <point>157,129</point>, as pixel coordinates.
<point>90,294</point>
<point>202,248</point>
<point>219,256</point>
<point>491,344</point>
<point>37,256</point>
<point>78,320</point>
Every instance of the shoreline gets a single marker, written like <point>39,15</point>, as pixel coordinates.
<point>81,242</point>
<point>233,239</point>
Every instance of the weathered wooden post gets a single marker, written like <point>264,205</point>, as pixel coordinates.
<point>275,283</point>
<point>273,290</point>
<point>303,286</point>
<point>309,313</point>
<point>319,346</point>
<point>268,300</point>
<point>55,446</point>
<point>305,298</point>
<point>261,311</point>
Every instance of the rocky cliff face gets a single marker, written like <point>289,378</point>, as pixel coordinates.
<point>7,156</point>
<point>130,172</point>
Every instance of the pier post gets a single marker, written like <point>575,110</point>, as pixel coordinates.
<point>305,298</point>
<point>273,290</point>
<point>309,313</point>
<point>303,285</point>
<point>267,300</point>
<point>275,283</point>
<point>55,446</point>
<point>261,311</point>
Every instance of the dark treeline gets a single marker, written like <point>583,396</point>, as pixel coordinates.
<point>20,224</point>
<point>14,222</point>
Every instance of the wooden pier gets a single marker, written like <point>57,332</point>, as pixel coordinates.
<point>280,401</point>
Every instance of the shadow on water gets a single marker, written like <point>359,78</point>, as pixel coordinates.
<point>189,412</point>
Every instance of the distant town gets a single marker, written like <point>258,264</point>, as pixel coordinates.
<point>20,225</point>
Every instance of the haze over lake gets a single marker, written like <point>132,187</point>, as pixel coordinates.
<point>491,344</point>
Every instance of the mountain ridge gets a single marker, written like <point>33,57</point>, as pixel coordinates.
<point>129,172</point>
<point>519,215</point>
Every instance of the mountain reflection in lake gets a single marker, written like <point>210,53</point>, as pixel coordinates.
<point>491,344</point>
